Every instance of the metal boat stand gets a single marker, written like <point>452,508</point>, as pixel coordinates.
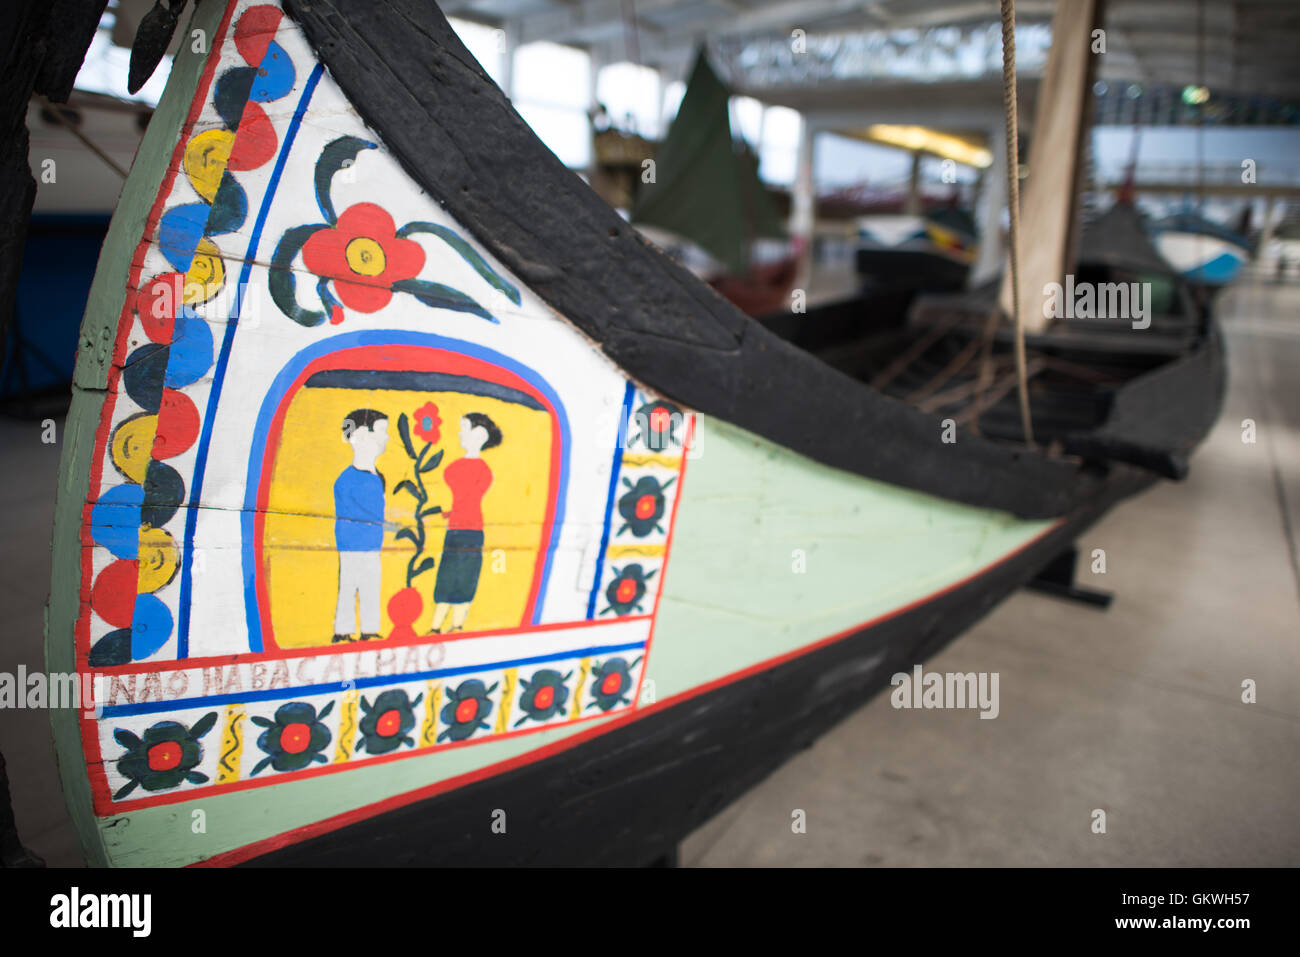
<point>1057,579</point>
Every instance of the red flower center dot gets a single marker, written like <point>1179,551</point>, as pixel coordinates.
<point>295,737</point>
<point>660,419</point>
<point>645,506</point>
<point>612,684</point>
<point>545,697</point>
<point>389,723</point>
<point>164,756</point>
<point>626,590</point>
<point>467,710</point>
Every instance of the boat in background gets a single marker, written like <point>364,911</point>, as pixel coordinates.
<point>930,252</point>
<point>706,193</point>
<point>1207,254</point>
<point>1086,372</point>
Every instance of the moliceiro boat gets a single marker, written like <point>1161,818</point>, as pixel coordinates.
<point>415,510</point>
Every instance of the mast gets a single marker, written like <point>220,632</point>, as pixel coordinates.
<point>1050,209</point>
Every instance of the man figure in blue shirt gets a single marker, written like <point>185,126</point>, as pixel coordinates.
<point>359,526</point>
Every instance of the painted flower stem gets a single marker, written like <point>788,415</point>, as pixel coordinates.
<point>417,534</point>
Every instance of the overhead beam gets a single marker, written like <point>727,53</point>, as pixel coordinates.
<point>576,23</point>
<point>568,24</point>
<point>1027,11</point>
<point>1148,40</point>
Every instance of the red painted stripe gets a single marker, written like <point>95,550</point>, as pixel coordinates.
<point>320,651</point>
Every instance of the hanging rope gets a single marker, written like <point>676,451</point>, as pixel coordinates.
<point>1013,206</point>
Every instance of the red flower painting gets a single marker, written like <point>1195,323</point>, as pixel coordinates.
<point>364,257</point>
<point>427,424</point>
<point>361,258</point>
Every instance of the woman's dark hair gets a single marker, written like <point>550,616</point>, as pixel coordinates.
<point>479,420</point>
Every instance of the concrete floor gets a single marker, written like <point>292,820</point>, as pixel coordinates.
<point>1136,711</point>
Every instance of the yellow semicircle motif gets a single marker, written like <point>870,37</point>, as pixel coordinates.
<point>205,160</point>
<point>158,559</point>
<point>132,447</point>
<point>206,275</point>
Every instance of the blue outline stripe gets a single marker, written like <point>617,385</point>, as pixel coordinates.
<point>218,376</point>
<point>628,393</point>
<point>156,707</point>
<point>384,337</point>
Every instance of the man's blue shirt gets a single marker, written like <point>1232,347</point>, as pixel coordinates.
<point>358,511</point>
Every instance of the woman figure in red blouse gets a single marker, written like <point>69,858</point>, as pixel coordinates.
<point>462,551</point>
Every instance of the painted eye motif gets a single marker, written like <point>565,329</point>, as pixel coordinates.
<point>295,738</point>
<point>164,757</point>
<point>643,505</point>
<point>611,683</point>
<point>544,695</point>
<point>466,711</point>
<point>386,724</point>
<point>628,587</point>
<point>658,422</point>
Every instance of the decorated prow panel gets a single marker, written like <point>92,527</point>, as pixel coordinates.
<point>357,494</point>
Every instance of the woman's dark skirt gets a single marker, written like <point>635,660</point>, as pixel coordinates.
<point>462,561</point>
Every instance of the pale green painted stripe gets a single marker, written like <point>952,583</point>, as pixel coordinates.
<point>732,598</point>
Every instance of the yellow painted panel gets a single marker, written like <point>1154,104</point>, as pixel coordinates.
<point>299,544</point>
